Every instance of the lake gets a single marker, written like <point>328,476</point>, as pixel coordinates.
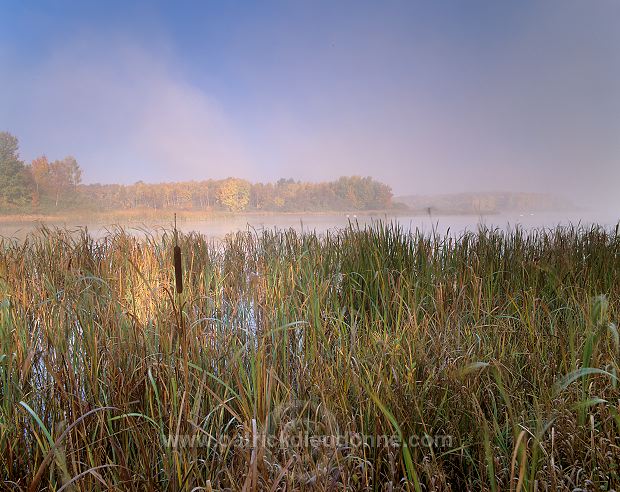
<point>217,227</point>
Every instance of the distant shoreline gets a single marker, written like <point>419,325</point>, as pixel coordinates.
<point>189,215</point>
<point>479,204</point>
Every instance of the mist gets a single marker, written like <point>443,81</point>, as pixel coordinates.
<point>428,99</point>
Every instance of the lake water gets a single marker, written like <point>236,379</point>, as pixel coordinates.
<point>218,227</point>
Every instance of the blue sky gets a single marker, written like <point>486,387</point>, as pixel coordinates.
<point>434,96</point>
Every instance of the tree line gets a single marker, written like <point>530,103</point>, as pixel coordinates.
<point>40,184</point>
<point>44,185</point>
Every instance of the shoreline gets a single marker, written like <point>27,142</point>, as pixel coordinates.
<point>190,215</point>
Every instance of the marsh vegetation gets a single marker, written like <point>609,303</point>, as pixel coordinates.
<point>497,349</point>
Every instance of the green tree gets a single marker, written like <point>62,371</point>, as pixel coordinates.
<point>15,184</point>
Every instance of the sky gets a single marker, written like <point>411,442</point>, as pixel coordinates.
<point>427,96</point>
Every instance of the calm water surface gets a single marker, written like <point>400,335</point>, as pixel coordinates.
<point>218,227</point>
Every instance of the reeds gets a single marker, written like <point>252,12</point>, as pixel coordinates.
<point>494,344</point>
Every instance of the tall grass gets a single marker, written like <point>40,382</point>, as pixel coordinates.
<point>496,349</point>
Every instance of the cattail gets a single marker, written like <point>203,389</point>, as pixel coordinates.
<point>178,267</point>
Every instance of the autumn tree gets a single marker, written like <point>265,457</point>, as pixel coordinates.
<point>64,177</point>
<point>40,173</point>
<point>362,193</point>
<point>55,182</point>
<point>234,194</point>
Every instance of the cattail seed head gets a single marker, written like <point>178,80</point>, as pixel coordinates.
<point>178,270</point>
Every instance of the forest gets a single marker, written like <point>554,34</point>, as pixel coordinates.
<point>51,186</point>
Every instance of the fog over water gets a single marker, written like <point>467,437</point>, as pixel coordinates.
<point>217,227</point>
<point>429,97</point>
